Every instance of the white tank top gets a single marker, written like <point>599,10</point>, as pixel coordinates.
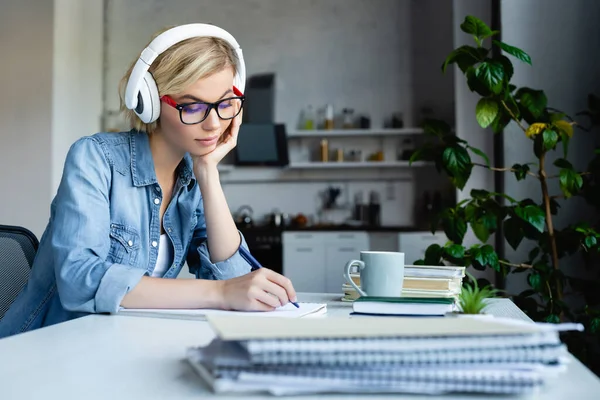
<point>164,258</point>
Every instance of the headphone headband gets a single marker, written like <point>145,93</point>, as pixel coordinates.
<point>140,74</point>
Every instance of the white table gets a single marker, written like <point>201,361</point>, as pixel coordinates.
<point>116,357</point>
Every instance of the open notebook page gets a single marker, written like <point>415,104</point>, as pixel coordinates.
<point>287,311</point>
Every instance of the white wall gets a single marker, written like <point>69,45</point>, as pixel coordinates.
<point>565,65</point>
<point>51,77</point>
<point>26,31</point>
<point>77,76</point>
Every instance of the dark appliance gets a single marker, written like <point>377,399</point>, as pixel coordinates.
<point>266,246</point>
<point>260,99</point>
<point>261,145</point>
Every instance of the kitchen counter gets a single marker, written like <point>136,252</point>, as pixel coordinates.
<point>334,228</point>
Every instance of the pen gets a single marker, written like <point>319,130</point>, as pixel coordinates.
<point>255,264</point>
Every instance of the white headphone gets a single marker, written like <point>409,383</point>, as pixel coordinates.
<point>141,94</point>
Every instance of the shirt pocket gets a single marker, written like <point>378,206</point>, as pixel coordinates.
<point>124,244</point>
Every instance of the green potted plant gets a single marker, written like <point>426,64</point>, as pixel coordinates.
<point>523,220</point>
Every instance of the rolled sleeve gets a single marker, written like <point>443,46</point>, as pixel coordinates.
<point>233,267</point>
<point>115,284</point>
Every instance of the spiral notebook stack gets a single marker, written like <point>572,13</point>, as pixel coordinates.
<point>400,355</point>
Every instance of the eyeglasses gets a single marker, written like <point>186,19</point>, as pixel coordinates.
<point>196,112</point>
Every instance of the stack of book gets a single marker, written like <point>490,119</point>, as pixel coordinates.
<point>397,355</point>
<point>420,281</point>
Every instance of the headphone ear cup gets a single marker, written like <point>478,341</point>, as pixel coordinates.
<point>148,108</point>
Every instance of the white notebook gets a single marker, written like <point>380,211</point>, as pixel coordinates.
<point>287,311</point>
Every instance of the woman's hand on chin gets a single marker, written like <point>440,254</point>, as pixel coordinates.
<point>225,144</point>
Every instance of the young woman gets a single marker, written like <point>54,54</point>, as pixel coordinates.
<point>133,207</point>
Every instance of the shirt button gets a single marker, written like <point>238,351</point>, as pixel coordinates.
<point>154,244</point>
<point>169,230</point>
<point>157,201</point>
<point>130,243</point>
<point>157,188</point>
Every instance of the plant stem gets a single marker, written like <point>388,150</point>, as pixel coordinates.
<point>504,169</point>
<point>515,265</point>
<point>546,197</point>
<point>513,116</point>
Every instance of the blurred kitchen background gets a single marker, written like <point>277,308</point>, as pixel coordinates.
<point>336,93</point>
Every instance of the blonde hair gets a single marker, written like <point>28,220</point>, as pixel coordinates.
<point>179,67</point>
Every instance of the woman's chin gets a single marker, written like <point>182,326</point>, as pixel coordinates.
<point>202,151</point>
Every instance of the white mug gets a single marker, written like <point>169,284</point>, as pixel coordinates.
<point>381,273</point>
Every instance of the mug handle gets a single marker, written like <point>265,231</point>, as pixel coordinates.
<point>349,266</point>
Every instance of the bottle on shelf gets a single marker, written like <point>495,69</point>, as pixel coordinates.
<point>324,150</point>
<point>348,118</point>
<point>328,116</point>
<point>309,118</point>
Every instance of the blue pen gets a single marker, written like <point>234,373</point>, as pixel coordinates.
<point>255,264</point>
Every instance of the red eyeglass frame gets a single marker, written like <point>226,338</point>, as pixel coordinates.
<point>169,100</point>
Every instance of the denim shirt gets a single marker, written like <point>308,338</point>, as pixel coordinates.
<point>104,231</point>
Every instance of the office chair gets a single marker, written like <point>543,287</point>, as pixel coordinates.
<point>17,251</point>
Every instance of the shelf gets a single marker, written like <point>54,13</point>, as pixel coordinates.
<point>357,164</point>
<point>354,132</point>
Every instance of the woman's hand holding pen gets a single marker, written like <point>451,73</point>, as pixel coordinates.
<point>260,290</point>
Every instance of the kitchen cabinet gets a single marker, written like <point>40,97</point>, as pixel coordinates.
<point>414,244</point>
<point>302,263</point>
<point>383,241</point>
<point>315,261</point>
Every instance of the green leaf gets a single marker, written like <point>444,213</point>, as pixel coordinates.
<point>533,215</point>
<point>513,232</point>
<point>520,171</point>
<point>553,319</point>
<point>550,139</point>
<point>557,116</point>
<point>436,127</point>
<point>480,194</point>
<point>491,74</point>
<point>416,156</point>
<point>476,27</point>
<point>486,256</point>
<point>514,51</point>
<point>457,163</point>
<point>595,325</point>
<point>534,101</point>
<point>590,241</point>
<point>455,251</point>
<point>507,66</point>
<point>563,163</point>
<point>502,119</point>
<point>433,255</point>
<point>570,182</point>
<point>481,231</point>
<point>480,154</point>
<point>534,253</point>
<point>564,127</point>
<point>475,84</point>
<point>564,138</point>
<point>535,281</point>
<point>486,111</point>
<point>464,56</point>
<point>455,228</point>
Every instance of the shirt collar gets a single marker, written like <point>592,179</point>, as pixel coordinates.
<point>142,164</point>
